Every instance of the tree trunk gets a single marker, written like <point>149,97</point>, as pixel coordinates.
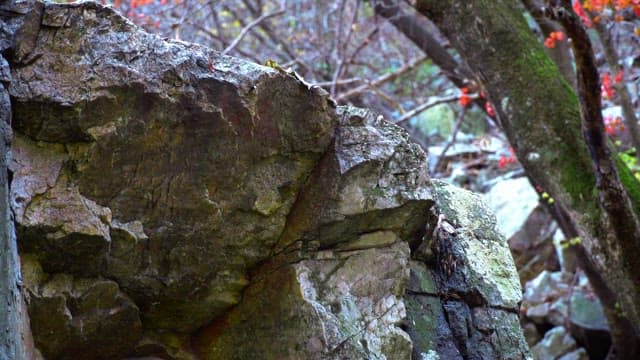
<point>540,114</point>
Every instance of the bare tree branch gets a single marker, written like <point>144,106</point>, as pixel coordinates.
<point>223,41</point>
<point>454,135</point>
<point>458,74</point>
<point>339,82</point>
<point>431,103</point>
<point>623,93</point>
<point>252,24</point>
<point>267,29</point>
<point>382,79</point>
<point>345,46</point>
<point>612,195</point>
<point>560,54</point>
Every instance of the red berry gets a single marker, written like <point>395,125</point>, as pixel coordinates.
<point>489,109</point>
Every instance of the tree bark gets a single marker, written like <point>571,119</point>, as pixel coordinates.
<point>408,25</point>
<point>560,54</point>
<point>540,114</point>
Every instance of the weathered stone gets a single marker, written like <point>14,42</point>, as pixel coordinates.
<point>484,259</point>
<point>587,312</point>
<point>538,313</point>
<point>373,177</point>
<point>319,309</point>
<point>234,211</point>
<point>556,342</point>
<point>427,324</point>
<point>578,354</point>
<point>588,325</point>
<point>512,201</point>
<point>435,121</point>
<point>71,318</point>
<point>531,333</point>
<point>546,286</point>
<point>209,162</point>
<point>467,304</point>
<point>532,246</point>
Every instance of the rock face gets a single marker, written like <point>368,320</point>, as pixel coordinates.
<point>171,202</point>
<point>462,294</point>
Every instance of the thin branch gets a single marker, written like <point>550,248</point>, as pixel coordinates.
<point>364,43</point>
<point>560,54</point>
<point>342,66</point>
<point>270,33</point>
<point>339,82</point>
<point>389,99</point>
<point>623,93</point>
<point>223,41</point>
<point>383,79</point>
<point>454,135</point>
<point>431,103</point>
<point>345,46</point>
<point>251,25</point>
<point>612,195</point>
<point>408,25</point>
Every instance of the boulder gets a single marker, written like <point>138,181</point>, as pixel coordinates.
<point>174,203</point>
<point>556,343</point>
<point>512,201</point>
<point>465,295</point>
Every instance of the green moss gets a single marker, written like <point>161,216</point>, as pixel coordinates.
<point>537,62</point>
<point>629,182</point>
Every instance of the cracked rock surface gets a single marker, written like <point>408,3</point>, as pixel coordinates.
<point>168,210</point>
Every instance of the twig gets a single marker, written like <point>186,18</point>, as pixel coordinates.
<point>560,54</point>
<point>454,135</point>
<point>342,54</point>
<point>431,103</point>
<point>572,287</point>
<point>364,43</point>
<point>389,99</point>
<point>223,41</point>
<point>340,82</point>
<point>623,93</point>
<point>250,25</point>
<point>383,79</point>
<point>411,27</point>
<point>282,45</point>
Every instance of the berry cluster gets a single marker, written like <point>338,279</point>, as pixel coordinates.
<point>613,125</point>
<point>504,160</point>
<point>550,41</point>
<point>465,99</point>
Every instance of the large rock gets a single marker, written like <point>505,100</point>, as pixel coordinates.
<point>512,200</point>
<point>556,343</point>
<point>322,308</point>
<point>368,193</point>
<point>174,203</point>
<point>207,163</point>
<point>74,317</point>
<point>467,296</point>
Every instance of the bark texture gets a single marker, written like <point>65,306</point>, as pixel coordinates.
<point>541,116</point>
